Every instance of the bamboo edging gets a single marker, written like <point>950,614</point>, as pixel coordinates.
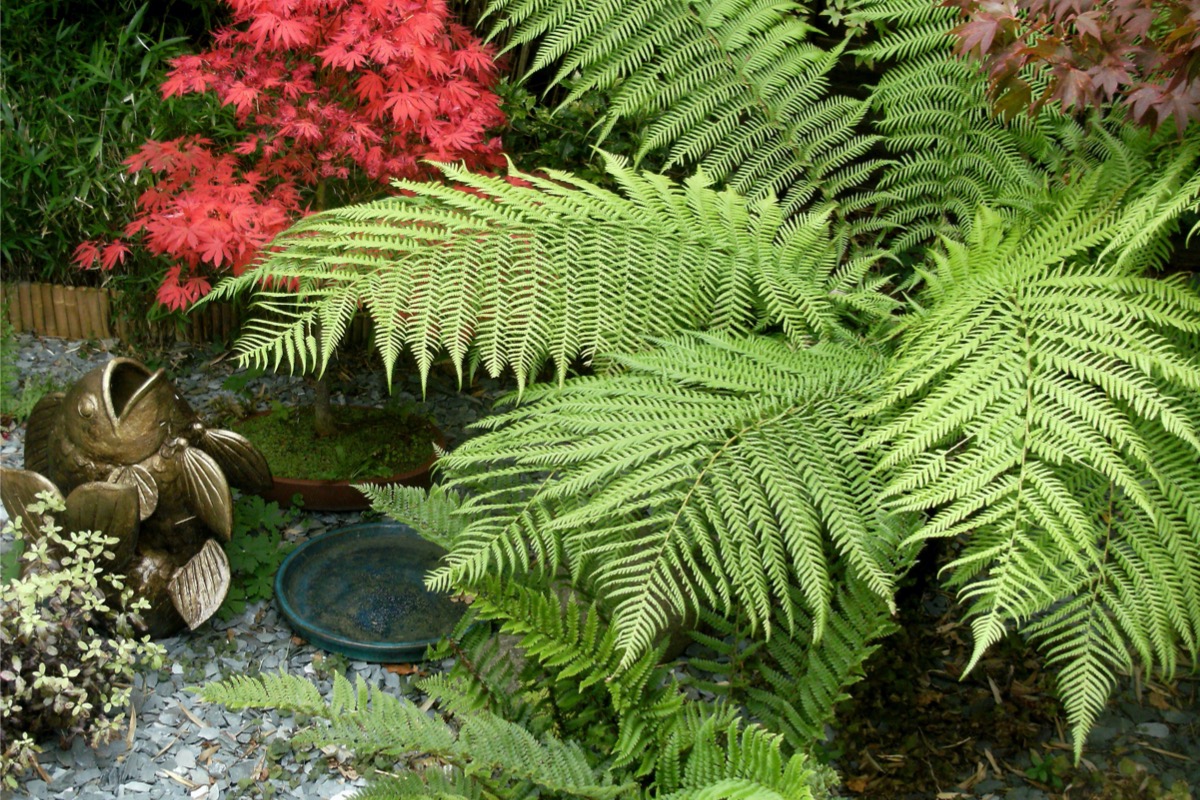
<point>81,312</point>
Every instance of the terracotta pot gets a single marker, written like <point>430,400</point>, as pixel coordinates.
<point>335,495</point>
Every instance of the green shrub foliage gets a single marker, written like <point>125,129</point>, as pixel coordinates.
<point>68,644</point>
<point>868,319</point>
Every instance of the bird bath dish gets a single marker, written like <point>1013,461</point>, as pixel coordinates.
<point>360,591</point>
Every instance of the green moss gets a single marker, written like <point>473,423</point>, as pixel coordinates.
<point>371,442</point>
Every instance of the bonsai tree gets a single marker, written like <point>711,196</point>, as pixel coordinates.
<point>330,101</point>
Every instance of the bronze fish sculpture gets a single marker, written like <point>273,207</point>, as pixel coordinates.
<point>134,461</point>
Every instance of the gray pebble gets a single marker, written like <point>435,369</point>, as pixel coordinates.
<point>36,788</point>
<point>185,758</point>
<point>85,776</point>
<point>240,771</point>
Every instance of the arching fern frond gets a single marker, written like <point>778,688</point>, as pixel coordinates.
<point>907,29</point>
<point>1173,188</point>
<point>732,87</point>
<point>554,270</point>
<point>714,472</point>
<point>954,153</point>
<point>571,685</point>
<point>372,722</point>
<point>710,752</point>
<point>788,682</point>
<point>433,512</point>
<point>1035,406</point>
<point>743,762</point>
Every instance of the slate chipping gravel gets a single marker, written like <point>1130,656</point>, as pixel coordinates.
<point>183,748</point>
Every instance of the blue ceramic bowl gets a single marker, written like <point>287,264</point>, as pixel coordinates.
<point>359,591</point>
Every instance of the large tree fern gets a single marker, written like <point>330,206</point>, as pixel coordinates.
<point>765,432</point>
<point>714,473</point>
<point>1035,410</point>
<point>733,87</point>
<point>556,269</point>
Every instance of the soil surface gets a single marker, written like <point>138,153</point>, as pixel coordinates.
<point>916,727</point>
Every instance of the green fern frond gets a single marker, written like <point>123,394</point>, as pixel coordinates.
<point>270,690</point>
<point>1140,241</point>
<point>1035,408</point>
<point>434,784</point>
<point>743,762</point>
<point>370,721</point>
<point>434,513</point>
<point>551,272</point>
<point>953,154</point>
<point>790,683</point>
<point>732,87</point>
<point>484,677</point>
<point>691,749</point>
<point>358,715</point>
<point>713,472</point>
<point>572,685</point>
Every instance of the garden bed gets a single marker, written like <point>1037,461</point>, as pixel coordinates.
<point>914,729</point>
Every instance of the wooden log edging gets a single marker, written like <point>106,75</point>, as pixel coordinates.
<point>67,312</point>
<point>82,312</point>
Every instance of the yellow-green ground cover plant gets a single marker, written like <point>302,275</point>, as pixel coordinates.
<point>68,647</point>
<point>873,315</point>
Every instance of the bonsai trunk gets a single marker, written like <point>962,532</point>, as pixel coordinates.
<point>323,408</point>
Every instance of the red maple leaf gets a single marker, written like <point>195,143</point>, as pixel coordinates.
<point>342,57</point>
<point>177,295</point>
<point>369,87</point>
<point>86,254</point>
<point>410,105</point>
<point>240,96</point>
<point>114,253</point>
<point>322,90</point>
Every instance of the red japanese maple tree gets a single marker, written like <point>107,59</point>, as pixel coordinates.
<point>334,97</point>
<point>1142,54</point>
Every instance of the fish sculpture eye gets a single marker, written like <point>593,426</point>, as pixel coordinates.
<point>87,407</point>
